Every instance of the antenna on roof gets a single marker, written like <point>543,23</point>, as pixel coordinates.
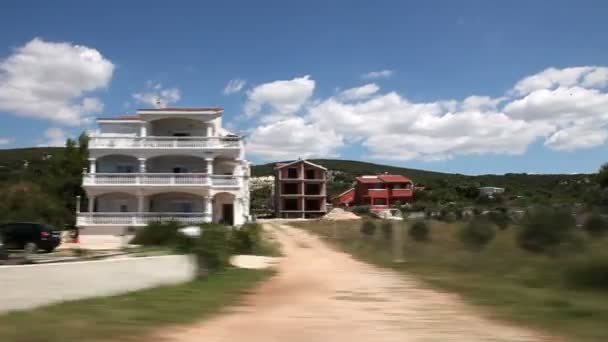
<point>158,102</point>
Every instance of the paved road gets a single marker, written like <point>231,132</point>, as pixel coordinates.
<point>324,295</point>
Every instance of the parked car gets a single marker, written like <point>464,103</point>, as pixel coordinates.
<point>30,237</point>
<point>3,252</point>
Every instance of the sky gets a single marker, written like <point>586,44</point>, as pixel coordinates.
<point>472,87</point>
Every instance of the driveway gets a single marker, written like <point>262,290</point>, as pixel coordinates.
<point>321,294</point>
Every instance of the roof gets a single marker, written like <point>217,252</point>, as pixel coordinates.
<point>185,109</point>
<point>344,193</point>
<point>383,179</point>
<point>282,165</point>
<point>122,117</point>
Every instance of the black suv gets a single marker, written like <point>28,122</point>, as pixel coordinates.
<point>29,236</point>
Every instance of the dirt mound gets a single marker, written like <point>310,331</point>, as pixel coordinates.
<point>338,214</point>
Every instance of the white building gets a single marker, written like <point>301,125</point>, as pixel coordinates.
<point>164,164</point>
<point>490,191</point>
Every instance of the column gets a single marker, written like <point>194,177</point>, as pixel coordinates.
<point>140,203</point>
<point>208,205</point>
<point>142,165</point>
<point>77,204</point>
<point>92,165</point>
<point>209,130</point>
<point>237,212</point>
<point>91,203</point>
<point>143,130</point>
<point>209,162</point>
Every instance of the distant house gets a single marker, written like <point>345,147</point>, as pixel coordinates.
<point>299,190</point>
<point>379,192</point>
<point>490,191</point>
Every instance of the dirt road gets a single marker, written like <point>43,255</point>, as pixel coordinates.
<point>323,295</point>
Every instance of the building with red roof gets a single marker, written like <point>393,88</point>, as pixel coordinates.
<point>379,191</point>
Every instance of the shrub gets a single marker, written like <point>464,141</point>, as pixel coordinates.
<point>158,234</point>
<point>387,229</point>
<point>595,225</point>
<point>588,272</point>
<point>544,229</point>
<point>361,210</point>
<point>246,239</point>
<point>476,234</point>
<point>499,218</point>
<point>368,228</point>
<point>212,248</point>
<point>419,231</point>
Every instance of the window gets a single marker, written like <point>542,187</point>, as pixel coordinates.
<point>312,189</point>
<point>181,134</point>
<point>180,169</point>
<point>292,172</point>
<point>291,188</point>
<point>313,205</point>
<point>290,204</point>
<point>182,206</point>
<point>379,201</point>
<point>377,186</point>
<point>125,168</point>
<point>311,174</point>
<point>124,208</point>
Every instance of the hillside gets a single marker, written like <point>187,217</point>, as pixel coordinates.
<point>13,161</point>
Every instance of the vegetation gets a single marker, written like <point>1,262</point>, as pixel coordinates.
<point>419,231</point>
<point>131,316</point>
<point>596,225</point>
<point>544,229</point>
<point>563,293</point>
<point>368,228</point>
<point>476,234</point>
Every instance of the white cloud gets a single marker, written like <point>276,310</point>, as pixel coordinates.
<point>359,93</point>
<point>567,109</point>
<point>283,97</point>
<point>55,136</point>
<point>6,141</point>
<point>234,86</point>
<point>47,80</point>
<point>154,95</point>
<point>378,74</point>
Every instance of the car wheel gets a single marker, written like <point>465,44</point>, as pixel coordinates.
<point>30,248</point>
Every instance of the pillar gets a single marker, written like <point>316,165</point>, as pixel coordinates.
<point>208,205</point>
<point>143,130</point>
<point>91,203</point>
<point>142,165</point>
<point>140,203</point>
<point>209,130</point>
<point>237,214</point>
<point>209,162</point>
<point>92,165</point>
<point>77,204</point>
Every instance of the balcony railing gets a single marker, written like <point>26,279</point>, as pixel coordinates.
<point>140,219</point>
<point>195,179</point>
<point>163,142</point>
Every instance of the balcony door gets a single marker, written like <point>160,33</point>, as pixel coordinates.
<point>228,214</point>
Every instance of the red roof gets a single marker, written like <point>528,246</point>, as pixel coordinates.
<point>188,109</point>
<point>122,117</point>
<point>383,179</point>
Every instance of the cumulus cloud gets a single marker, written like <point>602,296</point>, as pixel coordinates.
<point>55,136</point>
<point>359,93</point>
<point>282,97</point>
<point>6,141</point>
<point>234,86</point>
<point>156,96</point>
<point>378,74</point>
<point>48,80</point>
<point>567,109</point>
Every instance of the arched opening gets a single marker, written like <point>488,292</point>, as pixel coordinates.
<point>224,208</point>
<point>176,202</point>
<point>115,202</point>
<point>179,127</point>
<point>117,163</point>
<point>176,164</point>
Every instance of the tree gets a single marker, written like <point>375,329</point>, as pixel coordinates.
<point>602,176</point>
<point>26,201</point>
<point>419,231</point>
<point>596,225</point>
<point>544,228</point>
<point>476,234</point>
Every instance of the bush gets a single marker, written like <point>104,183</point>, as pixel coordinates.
<point>246,239</point>
<point>387,229</point>
<point>361,210</point>
<point>212,248</point>
<point>476,234</point>
<point>595,225</point>
<point>158,234</point>
<point>499,218</point>
<point>588,272</point>
<point>544,229</point>
<point>419,231</point>
<point>368,228</point>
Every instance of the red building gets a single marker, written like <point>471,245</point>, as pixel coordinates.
<point>379,192</point>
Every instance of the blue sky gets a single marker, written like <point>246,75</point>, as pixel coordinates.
<point>298,62</point>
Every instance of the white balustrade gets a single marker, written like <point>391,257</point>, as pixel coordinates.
<point>199,179</point>
<point>136,219</point>
<point>163,142</point>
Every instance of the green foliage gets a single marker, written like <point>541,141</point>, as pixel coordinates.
<point>368,228</point>
<point>212,249</point>
<point>602,176</point>
<point>500,218</point>
<point>596,225</point>
<point>419,231</point>
<point>477,233</point>
<point>544,229</point>
<point>588,272</point>
<point>160,234</point>
<point>387,229</point>
<point>26,201</point>
<point>261,198</point>
<point>361,210</point>
<point>246,239</point>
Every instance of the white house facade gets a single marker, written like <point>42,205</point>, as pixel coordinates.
<point>164,164</point>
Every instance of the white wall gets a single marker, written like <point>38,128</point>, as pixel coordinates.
<point>167,127</point>
<point>112,202</point>
<point>168,202</point>
<point>29,286</point>
<point>123,128</point>
<point>165,164</point>
<point>223,166</point>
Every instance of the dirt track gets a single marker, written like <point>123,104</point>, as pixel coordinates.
<point>324,295</point>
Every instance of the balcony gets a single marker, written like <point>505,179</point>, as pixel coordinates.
<point>160,179</point>
<point>401,193</point>
<point>163,142</point>
<point>139,219</point>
